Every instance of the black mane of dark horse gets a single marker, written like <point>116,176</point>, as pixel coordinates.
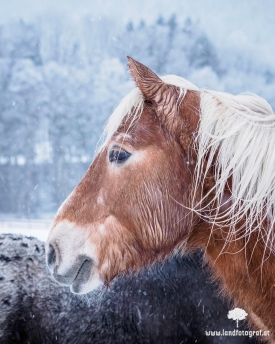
<point>171,303</point>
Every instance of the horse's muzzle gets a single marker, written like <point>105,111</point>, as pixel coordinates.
<point>76,275</point>
<point>51,258</point>
<point>72,258</point>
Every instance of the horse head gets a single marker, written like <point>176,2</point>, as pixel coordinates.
<point>132,207</point>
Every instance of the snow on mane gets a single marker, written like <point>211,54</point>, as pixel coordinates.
<point>236,135</point>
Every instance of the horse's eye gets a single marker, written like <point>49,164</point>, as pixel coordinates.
<point>118,155</point>
<point>148,102</point>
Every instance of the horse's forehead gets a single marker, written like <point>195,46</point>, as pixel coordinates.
<point>146,130</point>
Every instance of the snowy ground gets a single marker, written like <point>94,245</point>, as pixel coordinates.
<point>35,228</point>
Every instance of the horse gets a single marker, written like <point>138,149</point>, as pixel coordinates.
<point>35,309</point>
<point>179,168</point>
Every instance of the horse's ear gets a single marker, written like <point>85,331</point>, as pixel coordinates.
<point>151,86</point>
<point>177,116</point>
<point>154,89</point>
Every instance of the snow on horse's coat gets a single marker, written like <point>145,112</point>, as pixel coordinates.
<point>140,309</point>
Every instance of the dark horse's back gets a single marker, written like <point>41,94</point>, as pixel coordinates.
<point>171,303</point>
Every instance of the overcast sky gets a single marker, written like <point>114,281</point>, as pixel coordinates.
<point>248,23</point>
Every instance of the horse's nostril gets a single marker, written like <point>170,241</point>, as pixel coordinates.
<point>51,257</point>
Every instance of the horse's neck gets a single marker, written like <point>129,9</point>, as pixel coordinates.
<point>245,269</point>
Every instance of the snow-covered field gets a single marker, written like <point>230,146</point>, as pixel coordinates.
<point>35,228</point>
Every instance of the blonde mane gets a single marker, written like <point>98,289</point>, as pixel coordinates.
<point>236,135</point>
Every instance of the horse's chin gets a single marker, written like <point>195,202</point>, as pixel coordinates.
<point>83,287</point>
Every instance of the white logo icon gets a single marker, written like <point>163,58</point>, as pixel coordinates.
<point>237,314</point>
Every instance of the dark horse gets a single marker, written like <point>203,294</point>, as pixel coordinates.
<point>147,308</point>
<point>181,168</point>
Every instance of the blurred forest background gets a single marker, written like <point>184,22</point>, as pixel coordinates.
<point>60,80</point>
